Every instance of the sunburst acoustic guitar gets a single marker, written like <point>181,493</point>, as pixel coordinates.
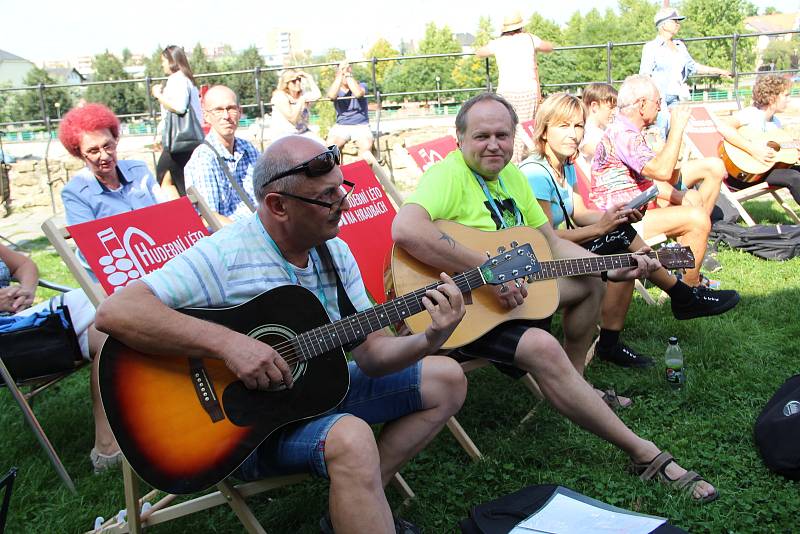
<point>185,424</point>
<point>483,310</point>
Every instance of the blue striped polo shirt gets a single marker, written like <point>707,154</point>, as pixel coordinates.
<point>240,261</point>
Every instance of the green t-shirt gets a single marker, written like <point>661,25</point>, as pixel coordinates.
<point>450,191</point>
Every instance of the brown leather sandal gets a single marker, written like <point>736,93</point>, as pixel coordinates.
<point>611,398</point>
<point>657,469</point>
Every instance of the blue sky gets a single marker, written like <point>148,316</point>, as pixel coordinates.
<point>87,27</point>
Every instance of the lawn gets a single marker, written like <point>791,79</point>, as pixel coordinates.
<point>735,363</point>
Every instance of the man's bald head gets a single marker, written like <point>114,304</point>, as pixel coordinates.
<point>282,155</point>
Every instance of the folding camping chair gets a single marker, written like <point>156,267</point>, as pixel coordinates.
<point>704,140</point>
<point>24,390</point>
<point>163,511</point>
<point>7,484</point>
<point>423,155</point>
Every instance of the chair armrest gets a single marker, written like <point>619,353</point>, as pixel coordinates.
<point>52,285</point>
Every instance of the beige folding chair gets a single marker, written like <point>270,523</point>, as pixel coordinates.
<point>163,510</point>
<point>704,139</point>
<point>24,391</point>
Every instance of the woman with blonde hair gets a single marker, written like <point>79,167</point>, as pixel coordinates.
<point>550,170</point>
<point>291,102</point>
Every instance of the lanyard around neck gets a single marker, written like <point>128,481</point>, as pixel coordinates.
<point>290,269</point>
<point>493,204</point>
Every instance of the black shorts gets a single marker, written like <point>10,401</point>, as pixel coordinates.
<point>499,344</point>
<point>617,241</point>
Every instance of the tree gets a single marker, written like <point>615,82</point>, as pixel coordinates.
<point>382,49</point>
<point>27,104</point>
<point>200,62</point>
<point>781,55</point>
<point>719,17</point>
<point>122,98</point>
<point>244,84</point>
<point>422,74</point>
<point>126,56</point>
<point>152,65</point>
<point>470,71</point>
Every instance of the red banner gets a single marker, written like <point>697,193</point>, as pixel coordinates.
<point>527,127</point>
<point>703,132</point>
<point>427,153</point>
<point>367,226</point>
<point>125,247</point>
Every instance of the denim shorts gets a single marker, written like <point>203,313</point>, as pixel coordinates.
<point>300,447</point>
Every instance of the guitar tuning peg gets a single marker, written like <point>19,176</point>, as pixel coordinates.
<point>514,244</point>
<point>488,254</point>
<point>501,249</point>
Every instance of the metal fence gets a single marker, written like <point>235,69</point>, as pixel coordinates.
<point>144,122</point>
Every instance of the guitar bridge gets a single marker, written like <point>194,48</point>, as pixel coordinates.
<point>204,388</point>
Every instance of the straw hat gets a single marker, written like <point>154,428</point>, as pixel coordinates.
<point>512,22</point>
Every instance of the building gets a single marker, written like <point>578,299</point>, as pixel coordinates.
<point>466,41</point>
<point>13,69</point>
<point>777,22</point>
<point>65,75</point>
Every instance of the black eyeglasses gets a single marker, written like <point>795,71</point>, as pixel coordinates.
<point>316,166</point>
<point>346,189</point>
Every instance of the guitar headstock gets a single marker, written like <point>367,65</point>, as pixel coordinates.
<point>517,262</point>
<point>676,257</point>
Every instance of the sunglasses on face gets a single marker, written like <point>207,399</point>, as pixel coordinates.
<point>316,166</point>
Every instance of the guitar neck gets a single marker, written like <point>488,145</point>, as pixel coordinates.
<point>356,327</point>
<point>579,266</point>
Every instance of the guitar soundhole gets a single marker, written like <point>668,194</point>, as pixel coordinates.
<point>278,336</point>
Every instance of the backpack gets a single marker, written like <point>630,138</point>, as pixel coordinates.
<point>777,430</point>
<point>778,242</point>
<point>501,515</point>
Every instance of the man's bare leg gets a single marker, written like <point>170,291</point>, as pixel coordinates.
<point>580,299</point>
<point>709,173</point>
<point>443,388</point>
<point>690,225</point>
<point>540,354</point>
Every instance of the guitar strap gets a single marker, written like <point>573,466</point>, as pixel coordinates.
<point>343,301</point>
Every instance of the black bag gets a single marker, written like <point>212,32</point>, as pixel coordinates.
<point>501,515</point>
<point>778,242</point>
<point>49,348</point>
<point>182,133</point>
<point>777,430</point>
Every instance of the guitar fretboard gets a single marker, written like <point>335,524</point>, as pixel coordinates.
<point>579,266</point>
<point>356,327</point>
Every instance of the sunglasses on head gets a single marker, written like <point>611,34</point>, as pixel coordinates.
<point>317,166</point>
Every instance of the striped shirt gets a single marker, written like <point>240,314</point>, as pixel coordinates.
<point>204,172</point>
<point>241,261</point>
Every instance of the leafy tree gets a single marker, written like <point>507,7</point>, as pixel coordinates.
<point>152,65</point>
<point>719,17</point>
<point>27,105</point>
<point>122,98</point>
<point>470,71</point>
<point>199,61</point>
<point>781,55</point>
<point>770,10</point>
<point>419,75</point>
<point>244,84</point>
<point>126,56</point>
<point>382,49</point>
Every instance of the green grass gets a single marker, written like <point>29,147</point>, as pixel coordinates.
<point>735,363</point>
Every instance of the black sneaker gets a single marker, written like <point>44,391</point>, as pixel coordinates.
<point>706,302</point>
<point>624,356</point>
<point>401,526</point>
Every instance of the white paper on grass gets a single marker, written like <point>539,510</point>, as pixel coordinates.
<point>567,512</point>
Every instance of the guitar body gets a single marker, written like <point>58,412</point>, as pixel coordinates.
<point>483,310</point>
<point>745,168</point>
<point>166,428</point>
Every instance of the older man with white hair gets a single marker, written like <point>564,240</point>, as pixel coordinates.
<point>624,165</point>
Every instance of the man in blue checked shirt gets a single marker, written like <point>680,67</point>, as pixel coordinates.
<point>205,171</point>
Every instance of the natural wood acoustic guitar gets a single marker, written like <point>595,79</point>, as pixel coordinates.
<point>484,312</point>
<point>185,423</point>
<point>745,168</point>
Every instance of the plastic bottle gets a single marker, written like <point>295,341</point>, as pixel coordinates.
<point>675,371</point>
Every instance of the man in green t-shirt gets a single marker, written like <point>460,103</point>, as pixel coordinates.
<point>476,186</point>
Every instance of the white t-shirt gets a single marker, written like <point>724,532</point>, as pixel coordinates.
<point>180,93</point>
<point>516,60</point>
<point>753,117</point>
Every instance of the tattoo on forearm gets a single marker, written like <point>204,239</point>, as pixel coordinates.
<point>448,239</point>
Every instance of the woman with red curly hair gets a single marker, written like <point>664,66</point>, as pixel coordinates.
<point>770,96</point>
<point>107,186</point>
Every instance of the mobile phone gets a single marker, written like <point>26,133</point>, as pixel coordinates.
<point>643,198</point>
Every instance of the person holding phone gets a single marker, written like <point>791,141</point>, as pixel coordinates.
<point>291,102</point>
<point>550,170</point>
